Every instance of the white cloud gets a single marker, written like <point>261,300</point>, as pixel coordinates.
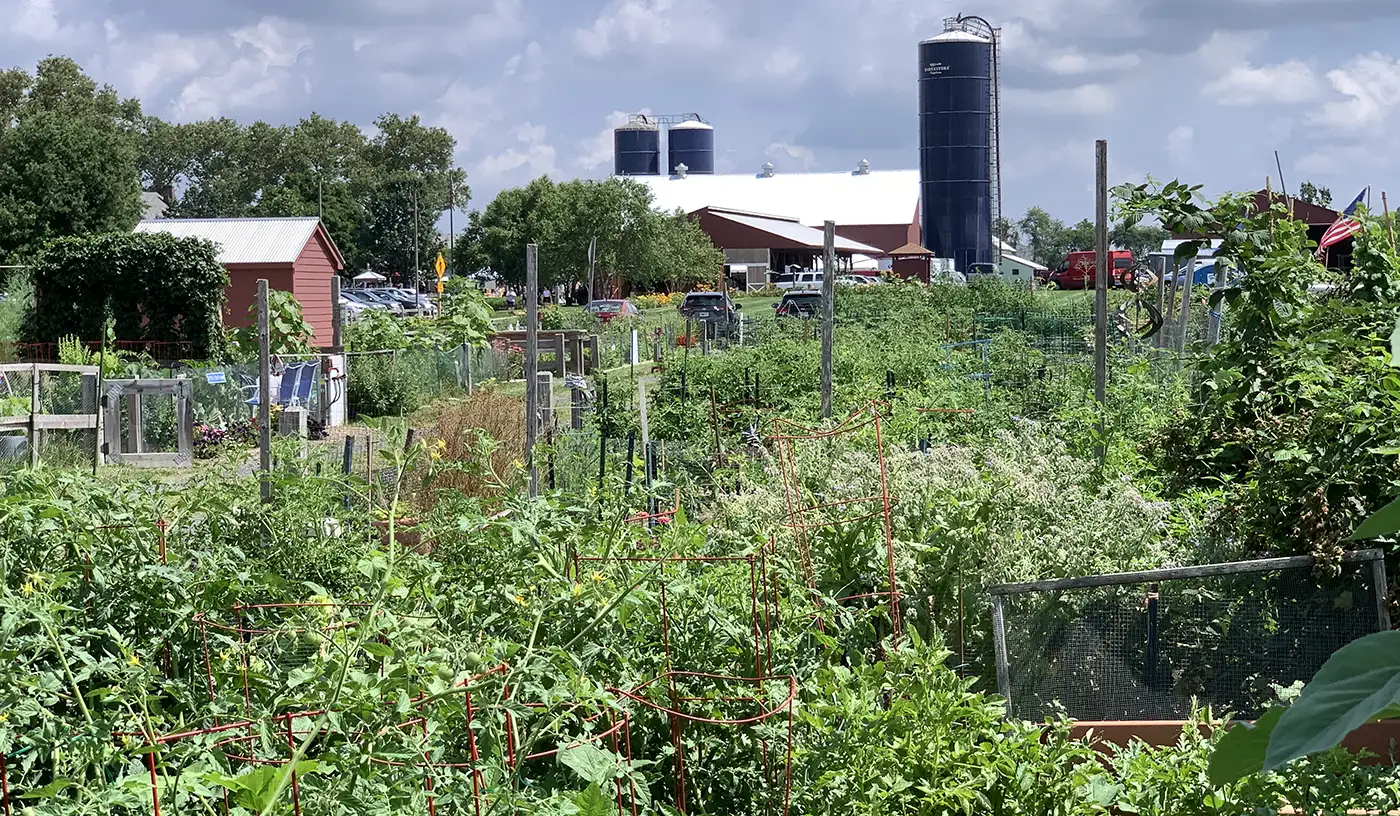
<point>1179,143</point>
<point>1074,63</point>
<point>1371,87</point>
<point>503,21</point>
<point>790,157</point>
<point>36,20</point>
<point>528,65</point>
<point>624,24</point>
<point>597,150</point>
<point>1092,98</point>
<point>466,112</point>
<point>1289,82</point>
<point>536,156</point>
<point>256,71</point>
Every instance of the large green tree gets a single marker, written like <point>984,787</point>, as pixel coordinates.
<point>68,158</point>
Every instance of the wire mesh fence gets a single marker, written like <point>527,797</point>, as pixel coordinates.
<point>1150,645</point>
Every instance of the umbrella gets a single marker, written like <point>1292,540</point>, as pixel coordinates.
<point>370,276</point>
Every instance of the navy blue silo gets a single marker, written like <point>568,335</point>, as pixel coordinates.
<point>637,150</point>
<point>955,146</point>
<point>691,143</point>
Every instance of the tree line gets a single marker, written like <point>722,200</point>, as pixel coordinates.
<point>75,158</point>
<point>637,247</point>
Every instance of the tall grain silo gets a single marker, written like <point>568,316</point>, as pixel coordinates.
<point>637,148</point>
<point>692,143</point>
<point>958,142</point>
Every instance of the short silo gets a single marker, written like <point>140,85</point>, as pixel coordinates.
<point>691,143</point>
<point>637,149</point>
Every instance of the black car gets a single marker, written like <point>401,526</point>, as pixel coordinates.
<point>800,304</point>
<point>714,309</point>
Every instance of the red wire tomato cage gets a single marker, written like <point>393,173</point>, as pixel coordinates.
<point>805,513</point>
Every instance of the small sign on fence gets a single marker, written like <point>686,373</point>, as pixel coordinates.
<point>215,377</point>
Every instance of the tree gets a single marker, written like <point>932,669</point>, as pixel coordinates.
<point>1311,193</point>
<point>1044,236</point>
<point>1139,239</point>
<point>510,222</point>
<point>67,158</point>
<point>1007,231</point>
<point>410,170</point>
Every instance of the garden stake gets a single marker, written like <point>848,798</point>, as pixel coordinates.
<point>348,465</point>
<point>4,786</point>
<point>631,455</point>
<point>1389,227</point>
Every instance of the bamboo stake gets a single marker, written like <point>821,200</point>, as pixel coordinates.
<point>1389,227</point>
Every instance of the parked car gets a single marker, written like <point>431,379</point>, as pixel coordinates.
<point>856,280</point>
<point>359,297</point>
<point>713,309</point>
<point>800,304</point>
<point>1081,269</point>
<point>414,302</point>
<point>798,280</point>
<point>608,310</point>
<point>382,298</point>
<point>351,308</point>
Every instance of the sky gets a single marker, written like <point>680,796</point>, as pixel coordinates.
<point>1201,90</point>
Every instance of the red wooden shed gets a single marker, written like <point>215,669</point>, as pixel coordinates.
<point>295,255</point>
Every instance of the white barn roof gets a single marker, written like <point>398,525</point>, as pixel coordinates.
<point>245,240</point>
<point>849,199</point>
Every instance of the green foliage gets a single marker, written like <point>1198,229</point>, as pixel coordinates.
<point>67,158</point>
<point>1049,241</point>
<point>1297,406</point>
<point>378,386</point>
<point>638,245</point>
<point>374,330</point>
<point>1313,194</point>
<point>19,297</point>
<point>152,286</point>
<point>287,331</point>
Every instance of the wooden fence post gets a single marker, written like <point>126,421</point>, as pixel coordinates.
<point>264,394</point>
<point>532,362</point>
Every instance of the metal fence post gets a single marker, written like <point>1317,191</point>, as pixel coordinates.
<point>264,394</point>
<point>532,362</point>
<point>828,315</point>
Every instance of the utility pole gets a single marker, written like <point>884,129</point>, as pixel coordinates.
<point>1101,290</point>
<point>417,274</point>
<point>828,315</point>
<point>532,362</point>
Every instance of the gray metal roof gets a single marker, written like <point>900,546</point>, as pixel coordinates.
<point>244,240</point>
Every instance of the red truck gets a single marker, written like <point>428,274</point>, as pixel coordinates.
<point>1080,268</point>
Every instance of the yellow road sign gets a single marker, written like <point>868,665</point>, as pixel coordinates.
<point>440,265</point>
<point>439,285</point>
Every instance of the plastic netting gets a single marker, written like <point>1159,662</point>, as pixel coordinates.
<point>1150,650</point>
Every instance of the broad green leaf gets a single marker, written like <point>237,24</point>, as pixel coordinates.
<point>48,791</point>
<point>592,802</point>
<point>590,762</point>
<point>1358,682</point>
<point>1395,346</point>
<point>1384,521</point>
<point>1241,751</point>
<point>378,649</point>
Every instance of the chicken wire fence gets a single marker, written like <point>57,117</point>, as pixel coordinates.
<point>1151,645</point>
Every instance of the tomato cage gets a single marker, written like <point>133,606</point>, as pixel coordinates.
<point>265,743</point>
<point>263,642</point>
<point>815,505</point>
<point>691,699</point>
<point>468,757</point>
<point>685,703</point>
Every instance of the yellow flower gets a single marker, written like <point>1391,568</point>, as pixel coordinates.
<point>578,589</point>
<point>134,660</point>
<point>223,657</point>
<point>597,577</point>
<point>4,718</point>
<point>520,599</point>
<point>28,587</point>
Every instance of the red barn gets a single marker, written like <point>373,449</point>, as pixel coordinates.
<point>295,255</point>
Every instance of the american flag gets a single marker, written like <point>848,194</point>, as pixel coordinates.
<point>1344,227</point>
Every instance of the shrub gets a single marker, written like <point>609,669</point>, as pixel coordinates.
<point>378,386</point>
<point>480,443</point>
<point>656,301</point>
<point>375,330</point>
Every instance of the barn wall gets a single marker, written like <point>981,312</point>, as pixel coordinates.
<point>243,289</point>
<point>313,272</point>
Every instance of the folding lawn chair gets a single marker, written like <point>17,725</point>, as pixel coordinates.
<point>295,391</point>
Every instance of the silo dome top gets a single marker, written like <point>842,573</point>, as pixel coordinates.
<point>691,124</point>
<point>637,125</point>
<point>958,36</point>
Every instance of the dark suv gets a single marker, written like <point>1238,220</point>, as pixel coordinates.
<point>714,309</point>
<point>800,304</point>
